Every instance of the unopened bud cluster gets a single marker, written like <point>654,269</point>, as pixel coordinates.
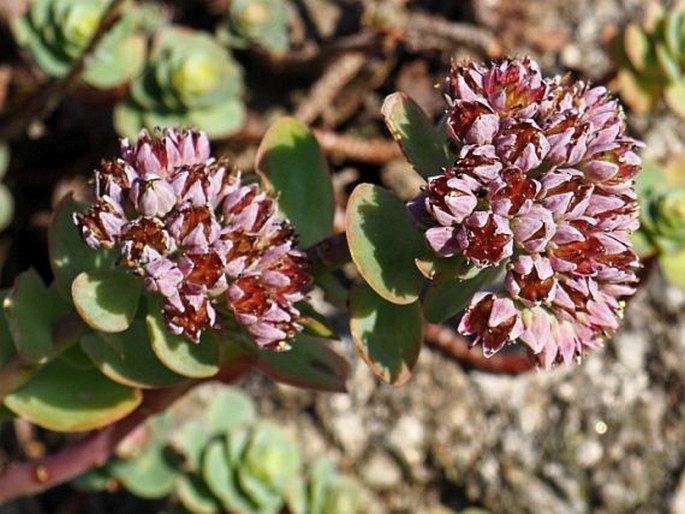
<point>543,184</point>
<point>198,236</point>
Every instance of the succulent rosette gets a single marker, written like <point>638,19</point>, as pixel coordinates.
<point>190,79</point>
<point>541,185</point>
<point>257,22</point>
<point>57,32</point>
<point>651,56</point>
<point>206,243</point>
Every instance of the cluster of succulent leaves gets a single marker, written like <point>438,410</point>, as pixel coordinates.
<point>662,217</point>
<point>189,79</point>
<point>57,32</point>
<point>6,200</point>
<point>175,75</point>
<point>262,23</point>
<point>226,461</point>
<point>652,59</point>
<point>93,378</point>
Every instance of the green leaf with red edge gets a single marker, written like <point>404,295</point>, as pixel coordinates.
<point>384,243</point>
<point>387,336</point>
<point>107,300</point>
<point>291,162</point>
<point>178,353</point>
<point>30,310</point>
<point>420,141</point>
<point>66,398</point>
<point>69,255</point>
<point>128,358</point>
<point>674,95</point>
<point>449,295</point>
<point>310,364</point>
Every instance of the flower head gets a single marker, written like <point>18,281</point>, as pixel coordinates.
<point>542,184</point>
<point>199,237</point>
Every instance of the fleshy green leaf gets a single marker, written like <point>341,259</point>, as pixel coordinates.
<point>416,135</point>
<point>445,298</point>
<point>220,478</point>
<point>291,162</point>
<point>117,63</point>
<point>128,358</point>
<point>314,323</point>
<point>675,97</point>
<point>150,475</point>
<point>179,354</point>
<point>673,267</point>
<point>107,300</point>
<point>194,495</point>
<point>64,398</point>
<point>387,336</point>
<point>310,364</point>
<point>230,408</point>
<point>636,46</point>
<point>30,310</point>
<point>384,243</point>
<point>69,255</point>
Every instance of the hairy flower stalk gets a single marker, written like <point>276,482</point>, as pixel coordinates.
<point>543,184</point>
<point>199,237</point>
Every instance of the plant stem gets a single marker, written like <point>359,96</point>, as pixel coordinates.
<point>17,370</point>
<point>329,254</point>
<point>453,345</point>
<point>93,450</point>
<point>46,97</point>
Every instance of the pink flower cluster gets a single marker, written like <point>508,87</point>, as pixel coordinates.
<point>542,184</point>
<point>199,237</point>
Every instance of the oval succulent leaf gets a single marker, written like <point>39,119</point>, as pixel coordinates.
<point>384,243</point>
<point>31,327</point>
<point>310,364</point>
<point>107,300</point>
<point>128,358</point>
<point>291,162</point>
<point>410,127</point>
<point>179,354</point>
<point>65,398</point>
<point>220,478</point>
<point>673,267</point>
<point>150,475</point>
<point>195,496</point>
<point>387,336</point>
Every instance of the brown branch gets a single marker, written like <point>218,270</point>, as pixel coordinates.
<point>46,97</point>
<point>32,477</point>
<point>338,74</point>
<point>452,345</point>
<point>356,148</point>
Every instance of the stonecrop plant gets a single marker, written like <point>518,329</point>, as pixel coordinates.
<point>199,237</point>
<point>651,58</point>
<point>197,271</point>
<point>189,79</point>
<point>538,186</point>
<point>56,33</point>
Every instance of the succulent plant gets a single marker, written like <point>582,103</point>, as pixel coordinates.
<point>189,80</point>
<point>230,461</point>
<point>652,59</point>
<point>264,23</point>
<point>56,33</point>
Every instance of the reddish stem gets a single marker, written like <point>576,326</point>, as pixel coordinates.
<point>456,347</point>
<point>93,450</point>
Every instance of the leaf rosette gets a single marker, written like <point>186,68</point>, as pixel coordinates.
<point>189,80</point>
<point>57,32</point>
